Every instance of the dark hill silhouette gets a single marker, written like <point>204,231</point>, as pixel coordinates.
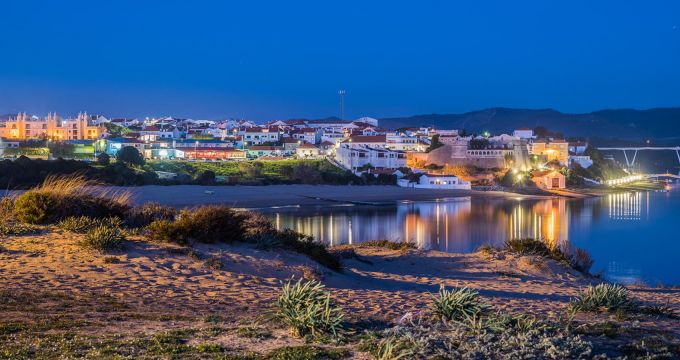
<point>658,123</point>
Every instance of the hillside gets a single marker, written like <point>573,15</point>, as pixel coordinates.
<point>660,123</point>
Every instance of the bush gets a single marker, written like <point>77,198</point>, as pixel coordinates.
<point>267,241</point>
<point>402,246</point>
<point>205,224</point>
<point>163,230</point>
<point>603,297</point>
<point>103,159</point>
<point>307,309</point>
<point>580,260</point>
<point>256,225</point>
<point>104,238</point>
<point>456,304</point>
<point>206,177</point>
<point>58,198</point>
<point>35,207</point>
<point>6,209</point>
<point>209,224</point>
<point>130,155</point>
<point>306,245</point>
<point>147,213</point>
<point>83,224</point>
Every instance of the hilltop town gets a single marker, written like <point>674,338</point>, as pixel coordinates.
<point>422,157</point>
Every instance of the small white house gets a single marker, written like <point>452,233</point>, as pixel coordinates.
<point>432,181</point>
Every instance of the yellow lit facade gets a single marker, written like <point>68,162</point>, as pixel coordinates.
<point>24,127</point>
<point>554,150</point>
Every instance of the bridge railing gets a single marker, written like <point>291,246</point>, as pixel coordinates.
<point>624,180</point>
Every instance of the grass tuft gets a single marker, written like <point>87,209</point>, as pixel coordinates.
<point>456,304</point>
<point>603,298</point>
<point>60,197</point>
<point>104,238</point>
<point>306,307</point>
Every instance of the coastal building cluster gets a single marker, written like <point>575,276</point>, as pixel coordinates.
<point>360,145</point>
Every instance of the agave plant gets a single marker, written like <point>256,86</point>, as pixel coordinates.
<point>603,297</point>
<point>456,304</point>
<point>307,309</point>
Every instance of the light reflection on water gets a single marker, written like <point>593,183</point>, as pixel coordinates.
<point>629,235</point>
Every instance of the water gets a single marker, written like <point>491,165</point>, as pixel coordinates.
<point>633,237</point>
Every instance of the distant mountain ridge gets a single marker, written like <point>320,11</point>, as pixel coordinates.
<point>657,123</point>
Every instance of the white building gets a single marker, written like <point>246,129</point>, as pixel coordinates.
<point>400,142</point>
<point>359,157</point>
<point>524,133</point>
<point>259,135</point>
<point>307,151</point>
<point>584,160</point>
<point>431,181</point>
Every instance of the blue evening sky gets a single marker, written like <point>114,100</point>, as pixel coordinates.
<point>281,59</point>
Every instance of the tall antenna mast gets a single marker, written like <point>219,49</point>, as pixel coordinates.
<point>342,104</point>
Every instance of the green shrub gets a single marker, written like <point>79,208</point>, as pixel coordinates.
<point>163,230</point>
<point>603,297</point>
<point>35,208</point>
<point>17,229</point>
<point>147,213</point>
<point>209,224</point>
<point>82,224</point>
<point>307,309</point>
<point>60,197</point>
<point>104,238</point>
<point>402,246</point>
<point>306,245</point>
<point>456,304</point>
<point>580,260</point>
<point>306,352</point>
<point>6,209</point>
<point>256,225</point>
<point>267,241</point>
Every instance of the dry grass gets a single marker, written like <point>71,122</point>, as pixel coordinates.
<point>77,185</point>
<point>59,197</point>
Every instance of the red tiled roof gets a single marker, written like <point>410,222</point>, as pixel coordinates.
<point>368,139</point>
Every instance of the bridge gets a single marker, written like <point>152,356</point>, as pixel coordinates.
<point>638,177</point>
<point>635,150</point>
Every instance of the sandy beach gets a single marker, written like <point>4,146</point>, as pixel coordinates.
<point>289,195</point>
<point>151,287</point>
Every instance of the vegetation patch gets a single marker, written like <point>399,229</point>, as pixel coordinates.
<point>220,224</point>
<point>83,224</point>
<point>145,214</point>
<point>307,309</point>
<point>604,298</point>
<point>58,198</point>
<point>401,246</point>
<point>253,332</point>
<point>104,238</point>
<point>580,260</point>
<point>492,336</point>
<point>306,352</point>
<point>456,304</point>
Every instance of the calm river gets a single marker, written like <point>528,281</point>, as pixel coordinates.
<point>633,237</point>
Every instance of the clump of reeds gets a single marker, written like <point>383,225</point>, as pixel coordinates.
<point>59,197</point>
